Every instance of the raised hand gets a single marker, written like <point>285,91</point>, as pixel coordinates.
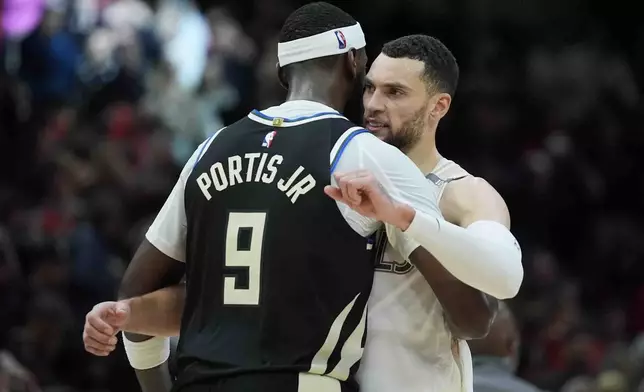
<point>361,191</point>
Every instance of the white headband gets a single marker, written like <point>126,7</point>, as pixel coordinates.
<point>329,43</point>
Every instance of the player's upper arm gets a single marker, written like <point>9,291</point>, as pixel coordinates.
<point>398,175</point>
<point>168,231</point>
<point>473,199</point>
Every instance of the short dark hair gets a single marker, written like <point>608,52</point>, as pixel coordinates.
<point>441,67</point>
<point>312,19</point>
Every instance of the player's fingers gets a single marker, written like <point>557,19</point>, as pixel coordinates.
<point>118,315</point>
<point>351,197</point>
<point>98,353</point>
<point>360,183</point>
<point>343,178</point>
<point>354,194</point>
<point>334,193</point>
<point>343,183</point>
<point>367,185</point>
<point>99,346</point>
<point>99,336</point>
<point>89,341</point>
<point>338,176</point>
<point>99,324</point>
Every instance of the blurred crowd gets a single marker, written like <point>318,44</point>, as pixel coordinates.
<point>102,101</point>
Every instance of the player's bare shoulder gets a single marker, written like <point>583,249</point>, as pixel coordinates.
<point>471,199</point>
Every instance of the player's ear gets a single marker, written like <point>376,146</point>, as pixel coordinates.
<point>441,104</point>
<point>280,76</point>
<point>351,63</point>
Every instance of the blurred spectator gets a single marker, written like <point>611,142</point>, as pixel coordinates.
<point>14,376</point>
<point>185,38</point>
<point>49,60</point>
<point>496,357</point>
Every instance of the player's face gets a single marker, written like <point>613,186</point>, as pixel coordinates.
<point>396,101</point>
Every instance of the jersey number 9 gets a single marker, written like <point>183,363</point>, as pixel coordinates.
<point>248,256</point>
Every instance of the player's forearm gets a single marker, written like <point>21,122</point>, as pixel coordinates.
<point>157,313</point>
<point>149,270</point>
<point>485,255</point>
<point>468,312</point>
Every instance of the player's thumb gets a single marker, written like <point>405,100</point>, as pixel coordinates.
<point>120,314</point>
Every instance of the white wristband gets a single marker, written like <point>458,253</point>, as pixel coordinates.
<point>147,354</point>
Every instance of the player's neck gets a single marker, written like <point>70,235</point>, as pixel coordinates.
<point>322,92</point>
<point>425,154</point>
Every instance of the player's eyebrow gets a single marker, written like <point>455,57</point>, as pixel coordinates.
<point>392,85</point>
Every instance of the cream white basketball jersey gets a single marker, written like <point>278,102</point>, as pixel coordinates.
<point>409,347</point>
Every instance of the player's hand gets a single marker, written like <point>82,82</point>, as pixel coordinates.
<point>102,324</point>
<point>361,191</point>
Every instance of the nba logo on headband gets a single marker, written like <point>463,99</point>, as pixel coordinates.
<point>342,42</point>
<point>327,43</point>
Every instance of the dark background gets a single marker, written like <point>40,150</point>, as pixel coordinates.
<point>102,101</point>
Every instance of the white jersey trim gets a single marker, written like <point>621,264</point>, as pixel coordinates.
<point>204,148</point>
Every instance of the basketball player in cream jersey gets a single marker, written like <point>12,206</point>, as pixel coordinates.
<point>426,302</point>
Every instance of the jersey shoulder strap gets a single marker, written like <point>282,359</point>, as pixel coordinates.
<point>445,172</point>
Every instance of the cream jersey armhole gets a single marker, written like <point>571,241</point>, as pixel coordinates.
<point>445,172</point>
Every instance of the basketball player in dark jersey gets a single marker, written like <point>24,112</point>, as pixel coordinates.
<point>278,274</point>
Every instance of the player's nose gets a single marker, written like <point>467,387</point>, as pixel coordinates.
<point>374,107</point>
<point>373,103</point>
